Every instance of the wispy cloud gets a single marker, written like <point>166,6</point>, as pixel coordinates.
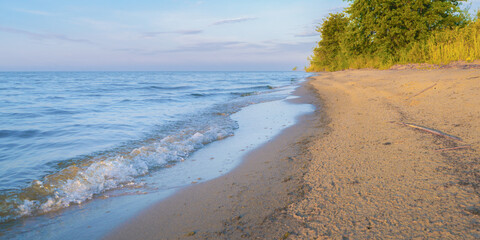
<point>34,12</point>
<point>308,34</point>
<point>241,47</point>
<point>42,36</point>
<point>102,25</point>
<point>233,20</point>
<point>134,51</point>
<point>188,32</point>
<point>180,32</point>
<point>336,9</point>
<point>296,47</point>
<point>207,46</point>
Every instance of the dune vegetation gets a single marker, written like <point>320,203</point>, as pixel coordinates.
<point>382,33</point>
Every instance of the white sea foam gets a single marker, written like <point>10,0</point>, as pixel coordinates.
<point>114,172</point>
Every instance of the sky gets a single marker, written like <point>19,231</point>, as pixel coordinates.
<point>161,35</point>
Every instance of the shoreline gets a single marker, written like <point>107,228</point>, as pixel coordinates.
<point>267,179</point>
<point>353,169</point>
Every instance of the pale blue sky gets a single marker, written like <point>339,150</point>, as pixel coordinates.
<point>160,35</point>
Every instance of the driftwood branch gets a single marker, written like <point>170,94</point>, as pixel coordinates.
<point>432,131</point>
<point>453,148</point>
<point>424,90</point>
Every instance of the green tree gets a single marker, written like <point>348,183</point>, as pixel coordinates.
<point>380,33</point>
<point>382,26</point>
<point>328,53</point>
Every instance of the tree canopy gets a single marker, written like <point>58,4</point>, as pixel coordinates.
<point>385,25</point>
<point>382,29</point>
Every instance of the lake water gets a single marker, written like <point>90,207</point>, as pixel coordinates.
<point>67,138</point>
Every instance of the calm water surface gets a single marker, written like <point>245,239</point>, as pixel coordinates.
<point>68,137</point>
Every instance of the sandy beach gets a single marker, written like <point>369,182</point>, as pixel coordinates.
<point>358,168</point>
<point>372,177</point>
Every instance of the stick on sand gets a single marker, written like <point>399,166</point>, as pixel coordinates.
<point>453,148</point>
<point>424,90</point>
<point>433,131</point>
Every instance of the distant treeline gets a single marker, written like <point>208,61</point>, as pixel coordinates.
<point>382,33</point>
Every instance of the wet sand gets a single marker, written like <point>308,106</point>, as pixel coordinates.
<point>351,170</point>
<point>249,202</point>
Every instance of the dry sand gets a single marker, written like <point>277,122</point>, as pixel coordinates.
<point>349,171</point>
<point>374,178</point>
